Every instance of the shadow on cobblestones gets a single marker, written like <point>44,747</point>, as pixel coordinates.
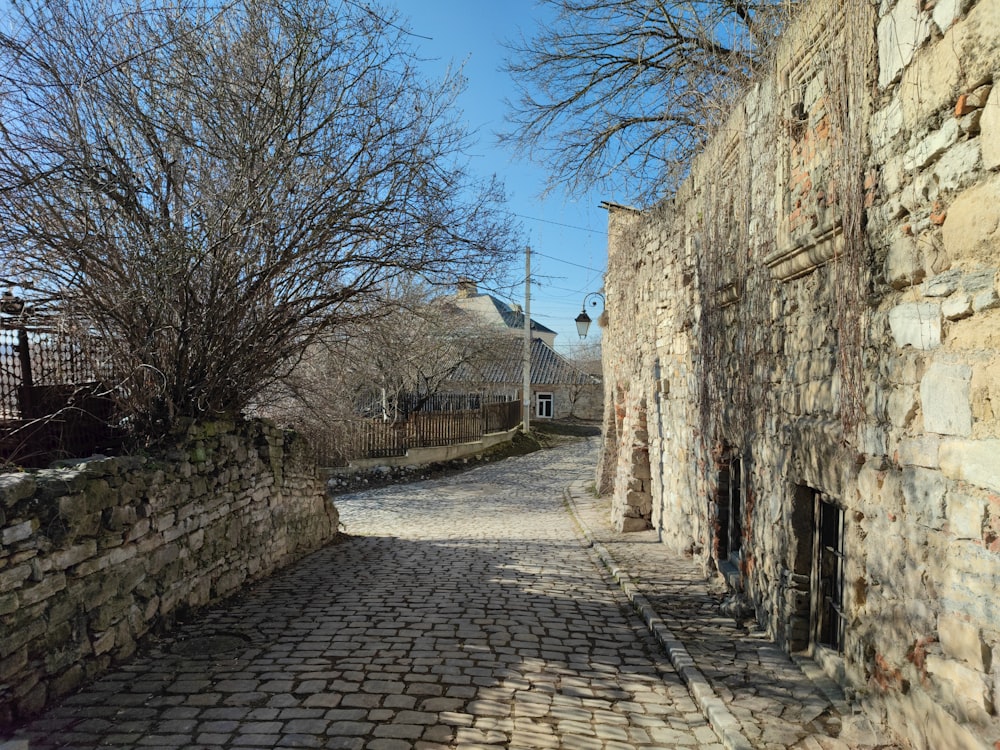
<point>462,612</point>
<point>776,704</point>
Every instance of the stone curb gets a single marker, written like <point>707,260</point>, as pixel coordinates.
<point>714,709</point>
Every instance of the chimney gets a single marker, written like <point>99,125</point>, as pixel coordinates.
<point>466,288</point>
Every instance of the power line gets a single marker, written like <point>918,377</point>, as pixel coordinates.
<point>561,224</point>
<point>568,263</point>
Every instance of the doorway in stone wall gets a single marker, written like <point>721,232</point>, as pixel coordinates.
<point>816,550</point>
<point>828,575</point>
<point>729,510</point>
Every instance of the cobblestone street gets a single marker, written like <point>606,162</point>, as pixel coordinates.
<point>461,612</point>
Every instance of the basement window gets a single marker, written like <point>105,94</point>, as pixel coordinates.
<point>828,604</point>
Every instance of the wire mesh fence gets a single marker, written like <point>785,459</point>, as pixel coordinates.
<point>53,402</point>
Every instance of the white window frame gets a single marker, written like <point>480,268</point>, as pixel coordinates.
<point>550,400</point>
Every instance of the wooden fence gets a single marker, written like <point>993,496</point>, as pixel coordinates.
<point>53,405</point>
<point>375,438</point>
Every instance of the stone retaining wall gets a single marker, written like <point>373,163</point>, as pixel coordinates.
<point>810,329</point>
<point>99,553</point>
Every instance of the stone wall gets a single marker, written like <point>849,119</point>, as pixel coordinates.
<point>100,552</point>
<point>574,401</point>
<point>819,303</point>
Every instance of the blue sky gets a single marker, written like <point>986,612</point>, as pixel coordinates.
<point>568,236</point>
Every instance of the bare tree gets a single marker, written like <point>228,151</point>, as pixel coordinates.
<point>587,357</point>
<point>212,185</point>
<point>403,358</point>
<point>630,89</point>
<point>394,363</point>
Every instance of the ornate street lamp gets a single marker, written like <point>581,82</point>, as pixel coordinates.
<point>583,320</point>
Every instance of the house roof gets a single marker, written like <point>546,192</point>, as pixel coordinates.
<point>488,304</point>
<point>548,367</point>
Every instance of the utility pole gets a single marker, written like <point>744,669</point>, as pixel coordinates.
<point>526,385</point>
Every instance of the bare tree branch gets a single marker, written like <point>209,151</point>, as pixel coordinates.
<point>214,186</point>
<point>630,89</point>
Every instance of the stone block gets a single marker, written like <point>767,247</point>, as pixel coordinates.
<point>932,146</point>
<point>926,724</point>
<point>966,514</point>
<point>979,280</point>
<point>919,194</point>
<point>945,397</point>
<point>989,130</point>
<point>974,461</point>
<point>904,263</point>
<point>67,682</point>
<point>972,229</point>
<point>902,406</point>
<point>17,532</point>
<point>957,167</point>
<point>9,603</point>
<point>73,555</point>
<point>924,492</point>
<point>919,451</point>
<point>11,578</point>
<point>103,642</point>
<point>900,34</point>
<point>25,629</point>
<point>963,640</point>
<point>11,665</point>
<point>947,11</point>
<point>943,284</point>
<point>629,525</point>
<point>966,686</point>
<point>958,307</point>
<point>985,300</point>
<point>916,324</point>
<point>964,58</point>
<point>43,590</point>
<point>15,487</point>
<point>887,124</point>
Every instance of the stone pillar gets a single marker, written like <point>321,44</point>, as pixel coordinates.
<point>607,466</point>
<point>632,504</point>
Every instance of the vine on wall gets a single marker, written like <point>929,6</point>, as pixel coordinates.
<point>847,68</point>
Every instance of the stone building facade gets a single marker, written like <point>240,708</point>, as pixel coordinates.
<point>99,553</point>
<point>802,359</point>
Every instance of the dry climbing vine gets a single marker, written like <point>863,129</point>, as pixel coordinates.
<point>847,68</point>
<point>737,229</point>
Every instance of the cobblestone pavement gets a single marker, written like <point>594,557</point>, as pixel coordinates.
<point>752,688</point>
<point>462,612</point>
